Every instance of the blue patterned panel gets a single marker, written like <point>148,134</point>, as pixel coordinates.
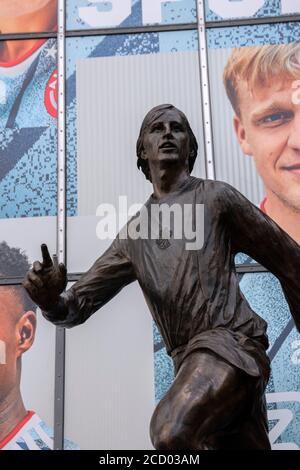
<point>255,35</point>
<point>85,14</point>
<point>217,10</point>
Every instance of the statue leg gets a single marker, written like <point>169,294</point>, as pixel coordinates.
<point>206,406</point>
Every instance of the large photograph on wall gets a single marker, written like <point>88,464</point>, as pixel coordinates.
<point>28,130</point>
<point>254,84</point>
<point>99,171</point>
<point>254,76</point>
<point>85,14</point>
<point>218,10</point>
<point>28,139</point>
<point>27,345</point>
<point>28,180</point>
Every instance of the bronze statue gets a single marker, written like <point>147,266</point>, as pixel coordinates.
<point>217,343</point>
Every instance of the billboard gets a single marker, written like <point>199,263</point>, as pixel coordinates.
<point>84,14</point>
<point>254,84</point>
<point>26,343</point>
<point>112,80</point>
<point>28,140</point>
<point>247,72</point>
<point>217,10</point>
<point>28,127</point>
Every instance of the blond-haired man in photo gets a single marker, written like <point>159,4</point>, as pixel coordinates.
<point>263,85</point>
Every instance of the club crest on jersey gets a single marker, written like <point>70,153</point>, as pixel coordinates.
<point>51,95</point>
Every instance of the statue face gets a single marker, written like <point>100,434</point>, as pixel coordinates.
<point>166,139</point>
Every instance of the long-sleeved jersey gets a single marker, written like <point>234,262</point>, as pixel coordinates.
<point>32,433</point>
<point>28,141</point>
<point>194,295</point>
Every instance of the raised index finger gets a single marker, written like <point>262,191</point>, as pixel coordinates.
<point>47,261</point>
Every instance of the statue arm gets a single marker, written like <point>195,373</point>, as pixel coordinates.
<point>108,275</point>
<point>254,233</point>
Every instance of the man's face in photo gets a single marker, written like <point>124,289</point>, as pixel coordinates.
<point>268,129</point>
<point>9,305</point>
<point>17,329</point>
<point>15,8</point>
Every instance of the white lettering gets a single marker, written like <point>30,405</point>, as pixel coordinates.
<point>2,352</point>
<point>123,212</point>
<point>238,8</point>
<point>296,354</point>
<point>106,228</point>
<point>110,460</point>
<point>284,418</point>
<point>166,223</point>
<point>194,221</point>
<point>138,226</point>
<point>290,6</point>
<point>152,10</point>
<point>134,209</point>
<point>154,222</point>
<point>120,10</point>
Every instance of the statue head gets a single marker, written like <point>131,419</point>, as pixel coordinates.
<point>153,116</point>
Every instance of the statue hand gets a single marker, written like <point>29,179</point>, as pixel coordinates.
<point>46,281</point>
